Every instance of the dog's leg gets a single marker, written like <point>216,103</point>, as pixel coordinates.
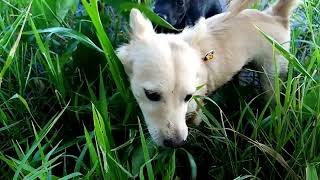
<point>193,114</point>
<point>269,74</point>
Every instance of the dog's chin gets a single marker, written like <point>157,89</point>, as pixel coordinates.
<point>156,137</point>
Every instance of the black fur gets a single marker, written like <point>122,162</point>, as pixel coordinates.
<point>182,13</point>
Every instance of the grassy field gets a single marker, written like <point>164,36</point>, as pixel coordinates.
<point>66,109</point>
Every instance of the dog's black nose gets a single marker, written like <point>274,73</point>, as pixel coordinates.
<point>172,143</point>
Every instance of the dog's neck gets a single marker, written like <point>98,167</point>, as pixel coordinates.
<point>204,45</point>
<point>222,67</point>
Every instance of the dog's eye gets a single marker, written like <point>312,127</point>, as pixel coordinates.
<point>180,2</point>
<point>152,96</point>
<point>187,98</point>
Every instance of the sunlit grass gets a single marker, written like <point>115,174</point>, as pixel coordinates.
<point>66,110</point>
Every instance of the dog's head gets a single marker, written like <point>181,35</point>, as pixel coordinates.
<point>172,11</point>
<point>163,70</point>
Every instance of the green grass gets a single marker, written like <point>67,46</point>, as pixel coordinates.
<point>66,110</point>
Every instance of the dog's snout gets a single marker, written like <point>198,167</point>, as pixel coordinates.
<point>173,143</point>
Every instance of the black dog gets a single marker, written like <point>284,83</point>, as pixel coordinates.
<point>182,13</point>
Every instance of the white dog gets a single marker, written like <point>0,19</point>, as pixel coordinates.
<point>166,69</point>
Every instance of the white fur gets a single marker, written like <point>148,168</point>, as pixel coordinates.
<point>172,65</point>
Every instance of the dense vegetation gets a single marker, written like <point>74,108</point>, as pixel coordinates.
<point>66,110</point>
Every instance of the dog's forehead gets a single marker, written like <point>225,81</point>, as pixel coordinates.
<point>165,61</point>
<point>186,64</point>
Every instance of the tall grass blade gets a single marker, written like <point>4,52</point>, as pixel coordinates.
<point>146,153</point>
<point>114,64</point>
<point>193,164</point>
<point>69,33</point>
<point>269,151</point>
<point>24,102</point>
<point>311,172</point>
<point>14,47</point>
<point>93,153</point>
<point>42,135</point>
<point>291,58</point>
<point>72,175</point>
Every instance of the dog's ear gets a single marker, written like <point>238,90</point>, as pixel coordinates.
<point>195,35</point>
<point>123,55</point>
<point>139,24</point>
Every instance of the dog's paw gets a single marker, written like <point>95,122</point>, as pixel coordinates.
<point>193,118</point>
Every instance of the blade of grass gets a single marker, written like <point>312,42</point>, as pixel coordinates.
<point>14,47</point>
<point>291,58</point>
<point>5,39</point>
<point>270,151</point>
<point>24,102</point>
<point>69,33</point>
<point>121,167</point>
<point>41,150</point>
<point>9,126</point>
<point>99,129</point>
<point>70,176</point>
<point>43,49</point>
<point>80,159</point>
<point>193,164</point>
<point>42,135</point>
<point>114,64</point>
<point>145,153</point>
<point>311,172</point>
<point>149,13</point>
<point>141,176</point>
<point>93,153</point>
<point>41,171</point>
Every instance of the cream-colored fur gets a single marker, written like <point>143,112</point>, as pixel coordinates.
<point>171,64</point>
